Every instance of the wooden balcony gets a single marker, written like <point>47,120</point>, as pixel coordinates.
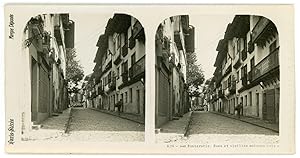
<point>244,54</point>
<point>221,94</point>
<point>232,88</point>
<point>112,84</point>
<point>46,42</point>
<point>108,67</point>
<point>137,68</point>
<point>250,47</point>
<point>265,66</point>
<point>131,42</point>
<point>190,40</point>
<point>101,90</point>
<point>228,70</point>
<point>125,77</point>
<point>244,80</point>
<point>125,50</point>
<point>237,61</point>
<point>178,41</point>
<point>118,59</point>
<point>263,30</point>
<point>137,30</point>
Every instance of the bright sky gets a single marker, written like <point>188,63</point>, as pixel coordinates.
<point>209,30</point>
<point>88,28</point>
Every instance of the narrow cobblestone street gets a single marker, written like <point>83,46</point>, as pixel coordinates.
<point>89,126</point>
<point>207,128</point>
<point>209,123</point>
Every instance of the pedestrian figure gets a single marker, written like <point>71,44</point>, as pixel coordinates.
<point>238,108</point>
<point>120,105</point>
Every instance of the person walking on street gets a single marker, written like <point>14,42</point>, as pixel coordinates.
<point>120,105</point>
<point>238,109</point>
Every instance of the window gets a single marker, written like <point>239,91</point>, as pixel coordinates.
<point>125,39</point>
<point>257,104</point>
<point>244,71</point>
<point>273,46</point>
<point>109,77</point>
<point>126,96</point>
<point>132,59</point>
<point>238,43</point>
<point>242,101</point>
<point>115,43</point>
<point>118,41</point>
<point>118,72</point>
<point>233,102</point>
<point>238,76</point>
<point>245,44</point>
<point>233,48</point>
<point>229,81</point>
<point>130,95</point>
<point>125,66</point>
<point>114,99</point>
<point>252,63</point>
<point>250,97</point>
<point>246,100</point>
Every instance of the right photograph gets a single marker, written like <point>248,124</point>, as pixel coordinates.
<point>217,80</point>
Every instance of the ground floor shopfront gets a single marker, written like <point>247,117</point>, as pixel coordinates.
<point>259,101</point>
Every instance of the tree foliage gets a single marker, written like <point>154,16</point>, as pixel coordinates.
<point>195,76</point>
<point>74,71</point>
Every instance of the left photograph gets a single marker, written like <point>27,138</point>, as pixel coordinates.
<point>87,75</point>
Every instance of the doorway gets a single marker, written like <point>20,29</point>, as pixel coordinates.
<point>269,105</point>
<point>34,97</point>
<point>257,104</point>
<point>138,101</point>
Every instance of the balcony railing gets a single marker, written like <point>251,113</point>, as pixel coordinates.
<point>249,76</point>
<point>221,94</point>
<point>125,77</point>
<point>37,26</point>
<point>244,54</point>
<point>46,43</point>
<point>228,69</point>
<point>137,68</point>
<point>118,59</point>
<point>178,41</point>
<point>131,42</point>
<point>244,80</point>
<point>266,65</point>
<point>112,84</point>
<point>232,88</point>
<point>137,28</point>
<point>259,28</point>
<point>237,61</point>
<point>250,47</point>
<point>101,90</point>
<point>108,66</point>
<point>125,50</point>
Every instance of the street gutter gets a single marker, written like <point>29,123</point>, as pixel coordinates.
<point>67,129</point>
<point>187,128</point>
